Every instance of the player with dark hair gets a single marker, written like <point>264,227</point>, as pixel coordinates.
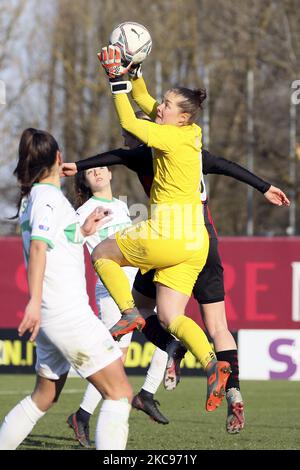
<point>58,314</point>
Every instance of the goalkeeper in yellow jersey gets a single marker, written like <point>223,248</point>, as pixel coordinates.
<point>173,240</point>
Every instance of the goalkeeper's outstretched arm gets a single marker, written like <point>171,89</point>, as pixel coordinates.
<point>143,98</point>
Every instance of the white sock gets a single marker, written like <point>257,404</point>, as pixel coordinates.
<point>91,399</point>
<point>156,371</point>
<point>19,423</point>
<point>112,425</point>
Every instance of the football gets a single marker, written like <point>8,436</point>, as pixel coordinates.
<point>134,40</point>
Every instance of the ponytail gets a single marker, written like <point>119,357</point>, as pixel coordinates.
<point>82,192</point>
<point>37,155</point>
<point>191,102</point>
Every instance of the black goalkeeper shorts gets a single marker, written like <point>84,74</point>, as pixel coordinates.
<point>209,286</point>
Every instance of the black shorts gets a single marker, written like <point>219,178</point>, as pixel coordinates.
<point>209,286</point>
<point>144,284</point>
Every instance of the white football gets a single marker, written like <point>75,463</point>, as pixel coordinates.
<point>133,39</point>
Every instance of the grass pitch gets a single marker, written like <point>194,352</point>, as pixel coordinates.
<point>272,417</point>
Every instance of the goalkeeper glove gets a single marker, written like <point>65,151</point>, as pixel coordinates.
<point>110,59</point>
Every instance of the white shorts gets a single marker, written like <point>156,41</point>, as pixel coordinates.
<point>108,310</point>
<point>75,339</point>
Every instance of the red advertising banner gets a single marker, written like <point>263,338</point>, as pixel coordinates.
<point>262,283</point>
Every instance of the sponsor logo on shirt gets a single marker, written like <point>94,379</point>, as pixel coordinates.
<point>44,225</point>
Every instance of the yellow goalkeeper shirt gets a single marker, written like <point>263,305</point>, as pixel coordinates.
<point>176,156</point>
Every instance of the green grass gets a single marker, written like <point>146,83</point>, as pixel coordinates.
<point>272,417</point>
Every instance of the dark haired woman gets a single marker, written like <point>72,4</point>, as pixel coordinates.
<point>58,314</point>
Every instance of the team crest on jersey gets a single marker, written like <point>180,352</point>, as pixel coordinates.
<point>44,225</point>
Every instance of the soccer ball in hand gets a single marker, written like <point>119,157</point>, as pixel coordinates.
<point>134,40</point>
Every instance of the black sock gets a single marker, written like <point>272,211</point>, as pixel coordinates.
<point>145,394</point>
<point>155,333</point>
<point>231,356</point>
<point>83,416</point>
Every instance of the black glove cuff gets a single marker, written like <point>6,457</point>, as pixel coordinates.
<point>119,86</point>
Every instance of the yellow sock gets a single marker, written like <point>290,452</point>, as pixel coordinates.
<point>194,338</point>
<point>116,282</point>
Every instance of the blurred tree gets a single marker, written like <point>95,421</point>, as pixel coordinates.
<point>11,15</point>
